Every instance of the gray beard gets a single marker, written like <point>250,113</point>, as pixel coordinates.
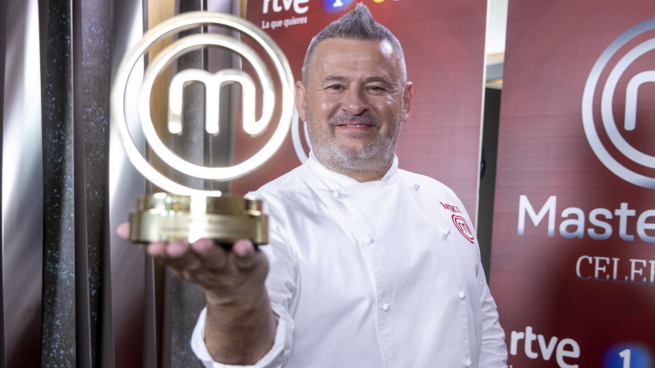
<point>376,157</point>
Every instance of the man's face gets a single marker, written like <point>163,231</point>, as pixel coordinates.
<point>354,103</point>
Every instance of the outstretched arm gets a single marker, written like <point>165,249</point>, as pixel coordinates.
<point>240,326</point>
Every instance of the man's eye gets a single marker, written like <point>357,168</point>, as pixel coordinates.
<point>375,88</point>
<point>336,86</point>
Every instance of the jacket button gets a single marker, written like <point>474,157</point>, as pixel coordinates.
<point>385,307</point>
<point>369,241</point>
<point>446,231</point>
<point>462,295</point>
<point>468,363</point>
<point>336,194</point>
<point>416,187</point>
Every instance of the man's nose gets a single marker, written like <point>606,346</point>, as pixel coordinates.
<point>354,101</point>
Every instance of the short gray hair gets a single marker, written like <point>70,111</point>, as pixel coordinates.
<point>359,25</point>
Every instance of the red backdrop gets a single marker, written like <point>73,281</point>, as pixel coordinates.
<point>443,43</point>
<point>582,283</point>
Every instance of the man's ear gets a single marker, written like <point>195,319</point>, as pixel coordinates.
<point>300,100</point>
<point>408,96</point>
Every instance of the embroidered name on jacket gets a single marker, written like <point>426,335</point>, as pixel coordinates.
<point>451,208</point>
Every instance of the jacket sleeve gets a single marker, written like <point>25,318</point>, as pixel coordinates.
<point>281,285</point>
<point>493,350</point>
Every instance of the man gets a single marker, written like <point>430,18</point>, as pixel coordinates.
<point>367,268</point>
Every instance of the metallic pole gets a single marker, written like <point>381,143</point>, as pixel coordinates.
<point>22,187</point>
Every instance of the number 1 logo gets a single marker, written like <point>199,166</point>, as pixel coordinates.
<point>630,355</point>
<point>625,354</point>
<point>335,6</point>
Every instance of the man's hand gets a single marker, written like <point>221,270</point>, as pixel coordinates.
<point>240,325</point>
<point>225,277</point>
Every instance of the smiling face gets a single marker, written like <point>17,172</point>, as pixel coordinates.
<point>354,103</point>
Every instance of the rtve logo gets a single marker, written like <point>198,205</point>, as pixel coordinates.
<point>212,84</point>
<point>286,5</point>
<point>630,163</point>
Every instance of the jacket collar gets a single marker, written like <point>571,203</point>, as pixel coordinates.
<point>329,179</point>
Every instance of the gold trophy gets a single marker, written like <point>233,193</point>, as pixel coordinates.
<point>182,212</point>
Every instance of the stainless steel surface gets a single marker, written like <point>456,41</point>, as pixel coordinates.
<point>3,32</point>
<point>184,299</point>
<point>59,310</point>
<point>155,274</point>
<point>219,149</point>
<point>84,336</point>
<point>22,188</point>
<point>92,25</point>
<point>124,278</point>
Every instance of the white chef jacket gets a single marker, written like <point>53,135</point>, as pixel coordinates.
<point>374,274</point>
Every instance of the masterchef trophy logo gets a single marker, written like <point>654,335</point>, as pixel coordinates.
<point>184,212</point>
<point>637,172</point>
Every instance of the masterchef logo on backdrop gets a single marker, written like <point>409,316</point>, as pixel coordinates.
<point>631,134</point>
<point>598,224</point>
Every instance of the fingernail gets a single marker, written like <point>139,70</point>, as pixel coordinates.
<point>156,249</point>
<point>123,231</point>
<point>243,248</point>
<point>202,246</point>
<point>176,248</point>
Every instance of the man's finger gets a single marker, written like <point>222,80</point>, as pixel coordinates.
<point>123,230</point>
<point>178,255</point>
<point>244,254</point>
<point>213,257</point>
<point>177,249</point>
<point>157,249</point>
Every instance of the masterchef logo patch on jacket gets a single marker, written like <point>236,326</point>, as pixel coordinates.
<point>460,222</point>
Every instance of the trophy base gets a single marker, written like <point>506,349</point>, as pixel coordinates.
<point>167,217</point>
